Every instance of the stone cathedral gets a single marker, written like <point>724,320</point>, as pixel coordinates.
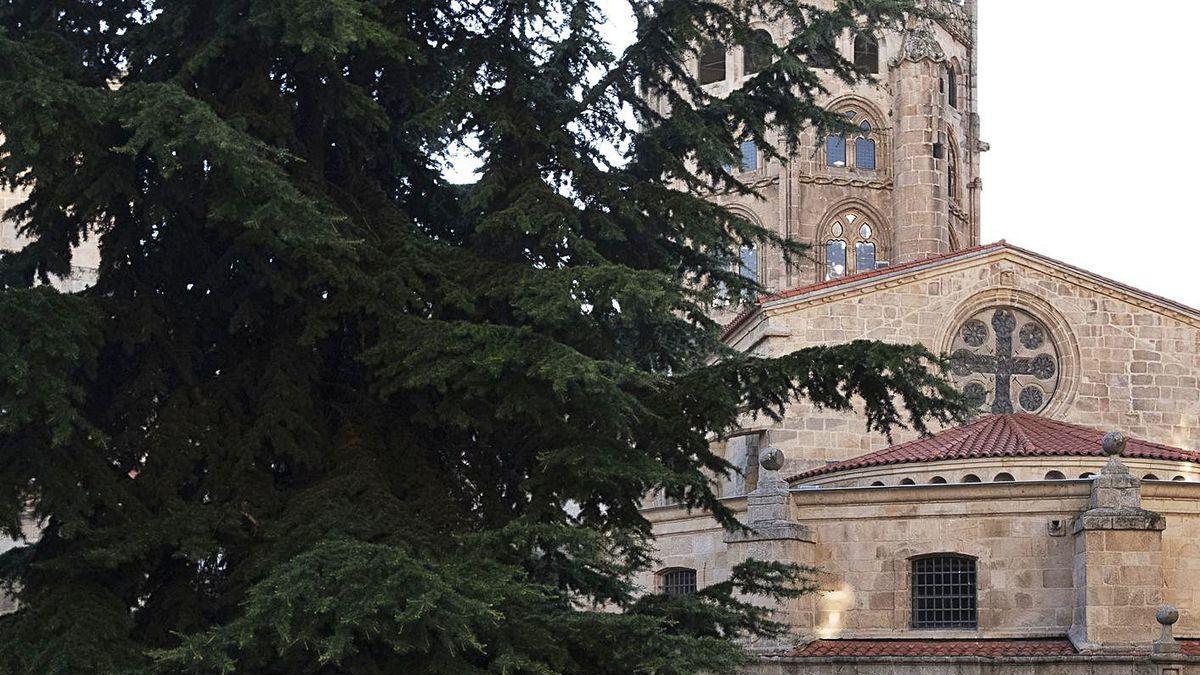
<point>1059,531</point>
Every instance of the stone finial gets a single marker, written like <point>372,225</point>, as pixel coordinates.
<point>771,459</point>
<point>1114,443</point>
<point>1166,644</point>
<point>920,44</point>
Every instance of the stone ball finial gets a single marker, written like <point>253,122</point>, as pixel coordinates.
<point>1167,615</point>
<point>771,459</point>
<point>1113,443</point>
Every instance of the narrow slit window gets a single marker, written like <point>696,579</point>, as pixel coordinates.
<point>944,593</point>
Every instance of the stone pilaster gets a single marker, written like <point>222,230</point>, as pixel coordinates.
<point>774,535</point>
<point>1118,563</point>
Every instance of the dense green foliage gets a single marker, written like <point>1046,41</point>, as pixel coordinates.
<point>324,412</point>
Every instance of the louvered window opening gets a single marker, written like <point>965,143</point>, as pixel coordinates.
<point>944,593</point>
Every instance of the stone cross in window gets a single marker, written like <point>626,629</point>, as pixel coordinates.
<point>1001,363</point>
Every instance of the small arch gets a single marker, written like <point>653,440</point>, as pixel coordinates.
<point>866,52</point>
<point>970,478</point>
<point>1149,476</point>
<point>1088,475</point>
<point>937,480</point>
<point>1179,478</point>
<point>1003,477</point>
<point>878,483</point>
<point>1055,475</point>
<point>711,67</point>
<point>908,481</point>
<point>757,53</point>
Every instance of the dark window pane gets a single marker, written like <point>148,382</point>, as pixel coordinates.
<point>712,63</point>
<point>864,256</point>
<point>952,87</point>
<point>835,151</point>
<point>866,52</point>
<point>835,259</point>
<point>757,54</point>
<point>749,156</point>
<point>748,263</point>
<point>677,582</point>
<point>864,153</point>
<point>944,593</point>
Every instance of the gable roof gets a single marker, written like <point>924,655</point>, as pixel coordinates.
<point>1013,435</point>
<point>882,274</point>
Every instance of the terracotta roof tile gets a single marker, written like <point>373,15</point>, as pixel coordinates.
<point>1016,435</point>
<point>918,648</point>
<point>1190,647</point>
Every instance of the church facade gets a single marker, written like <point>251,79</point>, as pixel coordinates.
<point>1057,531</point>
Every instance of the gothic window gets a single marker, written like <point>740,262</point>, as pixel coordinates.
<point>756,54</point>
<point>678,581</point>
<point>712,63</point>
<point>944,592</point>
<point>851,232</point>
<point>748,262</point>
<point>749,156</point>
<point>864,148</point>
<point>1005,360</point>
<point>952,86</point>
<point>835,150</point>
<point>866,52</point>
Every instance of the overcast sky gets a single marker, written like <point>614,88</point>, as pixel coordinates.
<point>1087,108</point>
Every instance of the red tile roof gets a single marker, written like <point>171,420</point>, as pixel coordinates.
<point>917,648</point>
<point>1190,647</point>
<point>1016,435</point>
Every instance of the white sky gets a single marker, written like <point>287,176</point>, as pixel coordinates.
<point>1062,87</point>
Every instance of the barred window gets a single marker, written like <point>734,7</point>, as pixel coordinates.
<point>943,592</point>
<point>679,581</point>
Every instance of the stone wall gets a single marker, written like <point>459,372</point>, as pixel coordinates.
<point>1127,360</point>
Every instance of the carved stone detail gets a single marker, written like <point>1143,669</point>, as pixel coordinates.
<point>1005,361</point>
<point>920,44</point>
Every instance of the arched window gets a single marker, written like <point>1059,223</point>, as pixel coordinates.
<point>756,54</point>
<point>944,592</point>
<point>1179,478</point>
<point>864,148</point>
<point>749,156</point>
<point>1149,476</point>
<point>952,86</point>
<point>712,63</point>
<point>1055,475</point>
<point>937,480</point>
<point>748,262</point>
<point>1003,477</point>
<point>866,52</point>
<point>851,246</point>
<point>908,481</point>
<point>877,483</point>
<point>1086,474</point>
<point>677,581</point>
<point>835,150</point>
<point>970,478</point>
<point>864,145</point>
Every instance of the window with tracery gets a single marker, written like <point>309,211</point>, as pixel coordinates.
<point>851,246</point>
<point>863,141</point>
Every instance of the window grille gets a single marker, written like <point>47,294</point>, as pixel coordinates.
<point>944,592</point>
<point>677,582</point>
